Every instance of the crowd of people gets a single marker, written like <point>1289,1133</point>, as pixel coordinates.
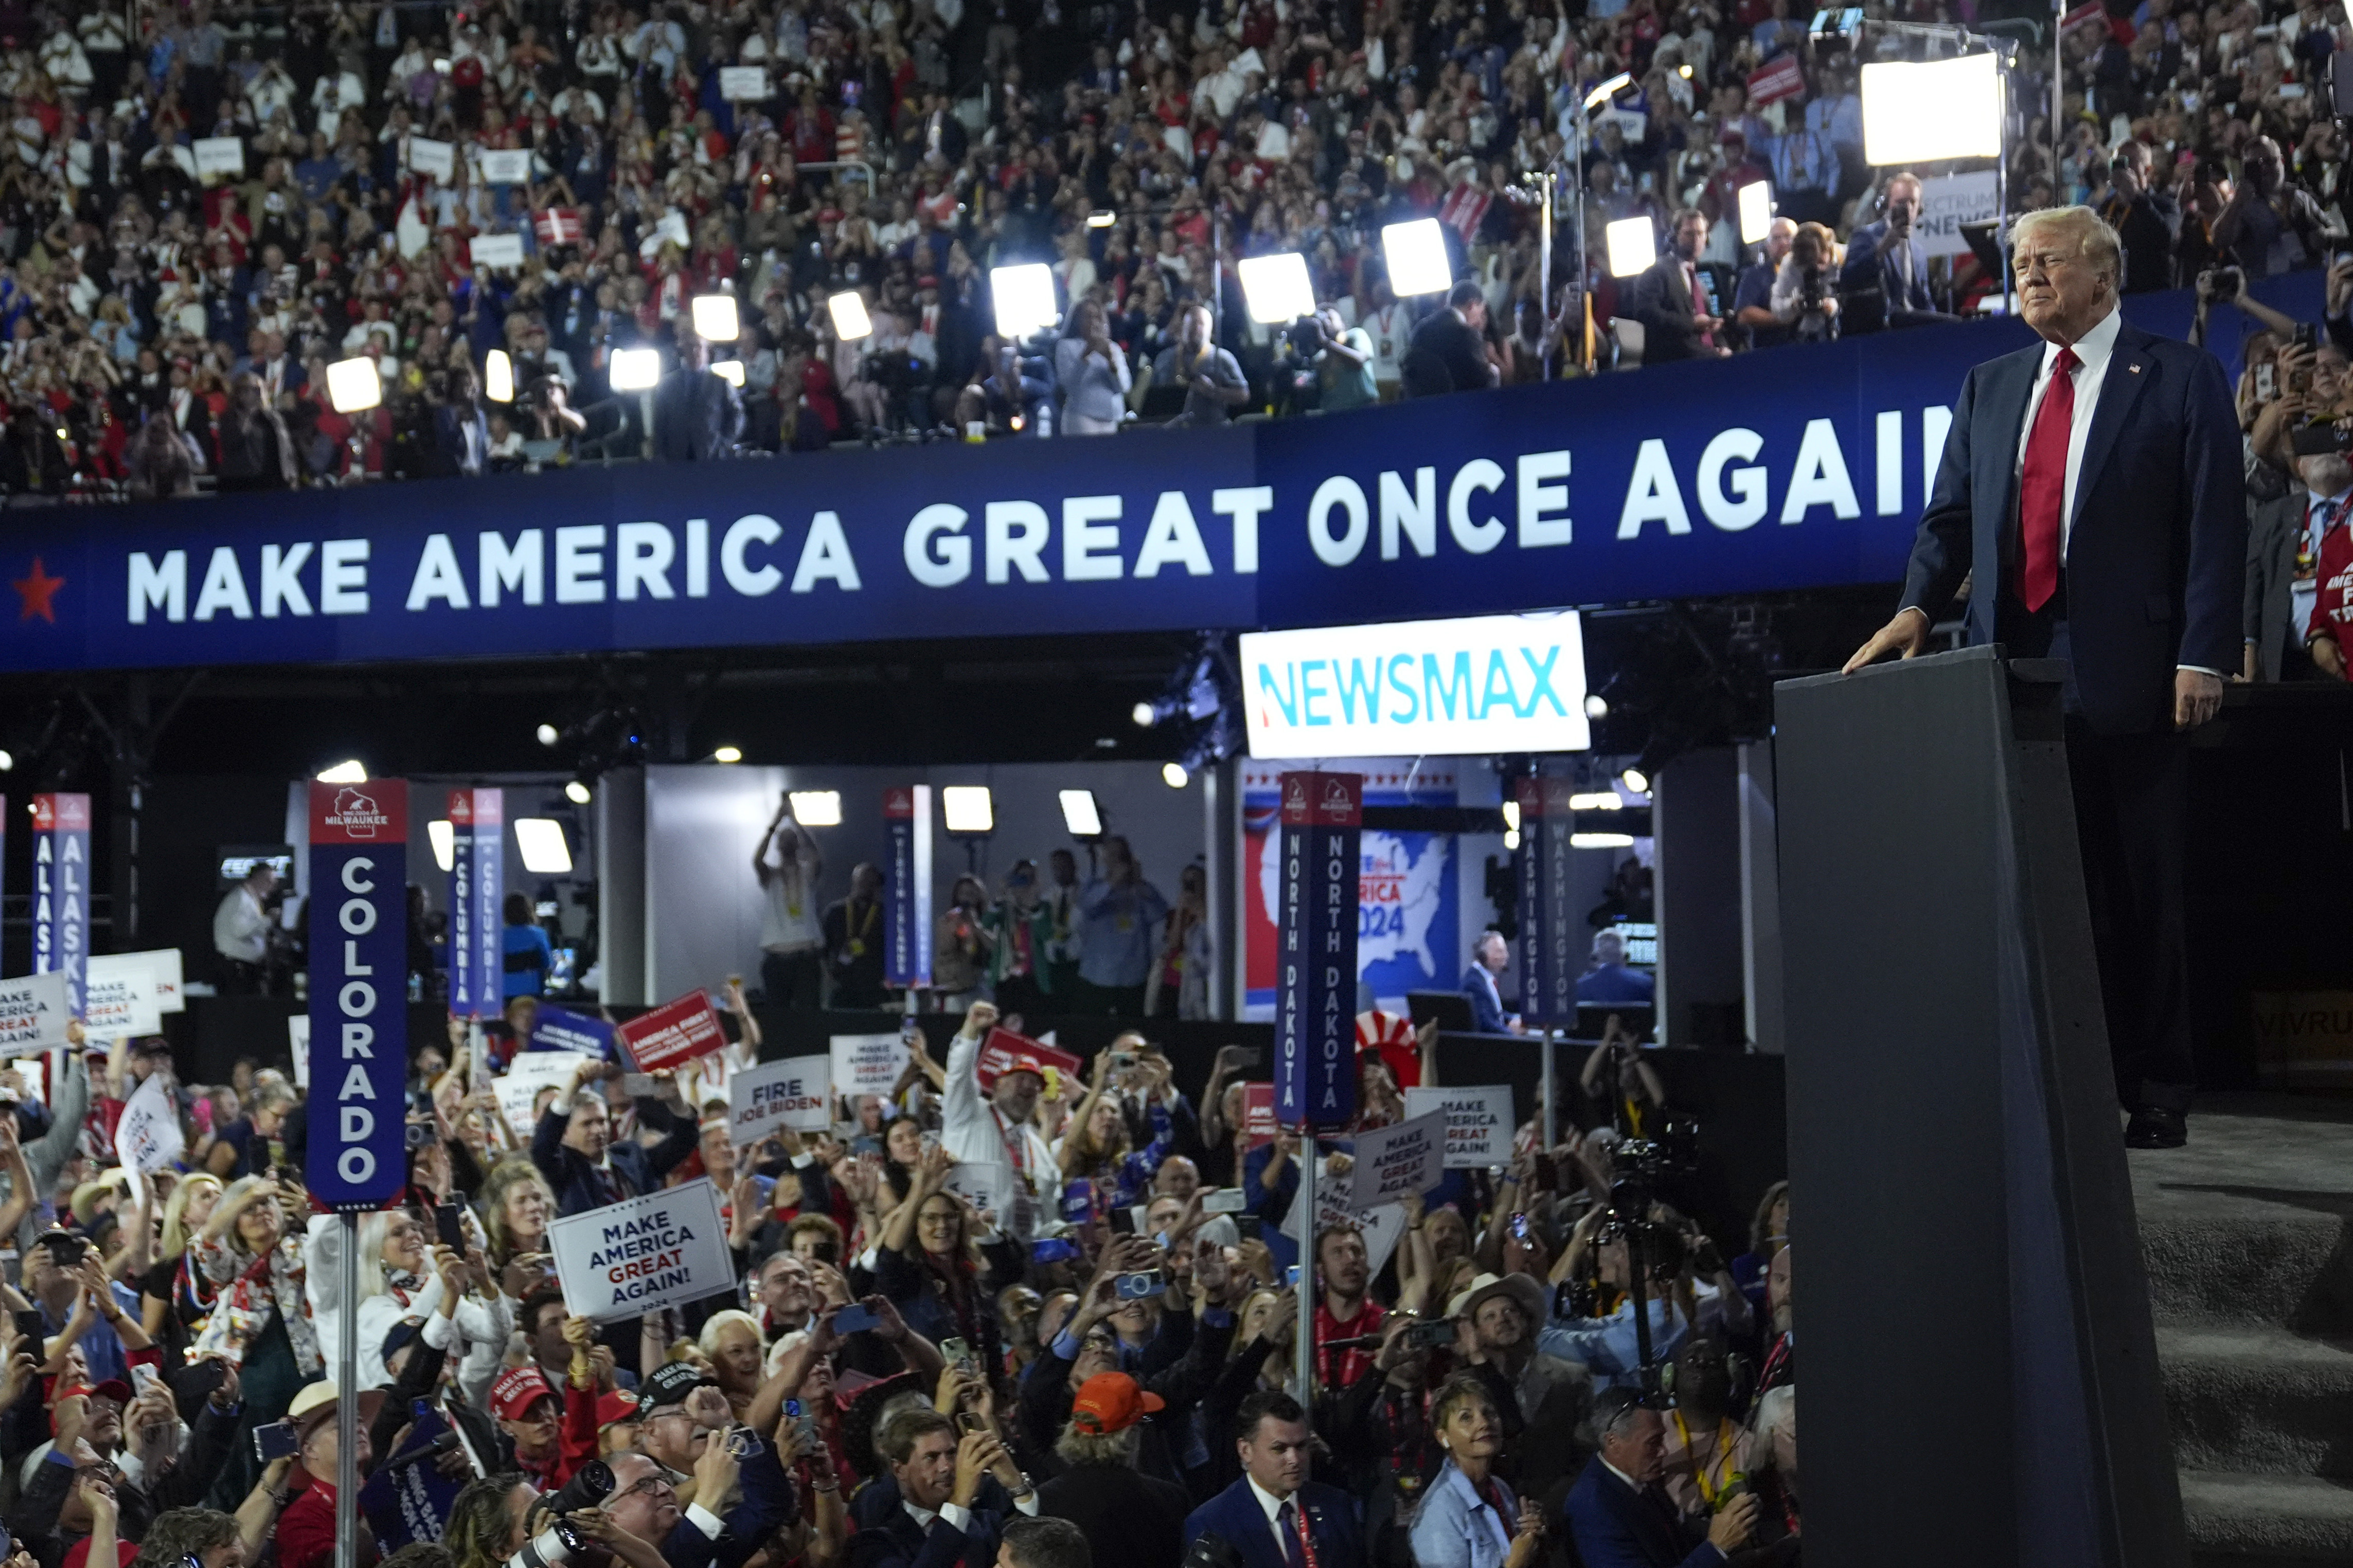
<point>212,201</point>
<point>1100,1366</point>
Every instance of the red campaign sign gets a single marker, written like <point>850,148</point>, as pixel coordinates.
<point>2082,15</point>
<point>60,814</point>
<point>672,1033</point>
<point>1258,1115</point>
<point>374,813</point>
<point>1784,77</point>
<point>1004,1049</point>
<point>559,226</point>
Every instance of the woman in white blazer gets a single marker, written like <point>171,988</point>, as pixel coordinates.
<point>1468,1518</point>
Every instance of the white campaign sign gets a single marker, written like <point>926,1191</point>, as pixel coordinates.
<point>1397,1162</point>
<point>743,84</point>
<point>33,1015</point>
<point>530,1073</point>
<point>219,156</point>
<point>1478,1123</point>
<point>298,1041</point>
<point>120,997</point>
<point>170,993</point>
<point>503,167</point>
<point>429,157</point>
<point>1484,683</point>
<point>789,1093</point>
<point>1949,201</point>
<point>866,1063</point>
<point>663,1249</point>
<point>497,249</point>
<point>148,1138</point>
<point>998,1189</point>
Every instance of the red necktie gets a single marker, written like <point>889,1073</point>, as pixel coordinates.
<point>2042,486</point>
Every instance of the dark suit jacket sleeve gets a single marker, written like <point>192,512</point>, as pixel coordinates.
<point>1861,269</point>
<point>1669,331</point>
<point>683,1139</point>
<point>1605,1539</point>
<point>2263,535</point>
<point>1941,550</point>
<point>2214,486</point>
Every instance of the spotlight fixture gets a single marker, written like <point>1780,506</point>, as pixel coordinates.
<point>1102,219</point>
<point>1023,296</point>
<point>1596,706</point>
<point>498,376</point>
<point>575,792</point>
<point>816,807</point>
<point>1635,779</point>
<point>1598,800</point>
<point>1276,289</point>
<point>728,754</point>
<point>1608,90</point>
<point>714,318</point>
<point>549,734</point>
<point>1416,254</point>
<point>539,841</point>
<point>969,809</point>
<point>1148,714</point>
<point>354,385</point>
<point>1081,815</point>
<point>1510,838</point>
<point>1511,816</point>
<point>1601,841</point>
<point>730,371</point>
<point>1633,245</point>
<point>1174,775</point>
<point>6,762</point>
<point>633,370</point>
<point>851,322</point>
<point>348,772</point>
<point>444,838</point>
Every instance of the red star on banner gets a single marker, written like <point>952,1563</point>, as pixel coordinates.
<point>38,591</point>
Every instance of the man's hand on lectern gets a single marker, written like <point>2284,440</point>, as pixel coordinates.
<point>2197,697</point>
<point>1907,634</point>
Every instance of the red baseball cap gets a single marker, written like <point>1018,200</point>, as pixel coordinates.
<point>612,1409</point>
<point>517,1390</point>
<point>1111,1402</point>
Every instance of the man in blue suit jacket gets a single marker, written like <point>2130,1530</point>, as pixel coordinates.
<point>1619,1514</point>
<point>1884,256</point>
<point>2092,484</point>
<point>574,1148</point>
<point>1275,1516</point>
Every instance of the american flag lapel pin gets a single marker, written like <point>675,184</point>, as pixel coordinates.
<point>2134,368</point>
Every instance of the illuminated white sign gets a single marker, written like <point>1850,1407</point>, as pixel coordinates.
<point>1486,683</point>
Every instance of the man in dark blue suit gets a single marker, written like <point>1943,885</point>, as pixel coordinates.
<point>939,1522</point>
<point>2092,483</point>
<point>1275,1516</point>
<point>1885,257</point>
<point>1621,1516</point>
<point>1489,957</point>
<point>574,1148</point>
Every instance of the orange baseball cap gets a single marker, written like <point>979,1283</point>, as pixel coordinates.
<point>1111,1402</point>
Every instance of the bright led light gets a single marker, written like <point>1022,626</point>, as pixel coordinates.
<point>1636,780</point>
<point>1601,841</point>
<point>575,792</point>
<point>1923,111</point>
<point>1101,220</point>
<point>1633,246</point>
<point>1144,715</point>
<point>816,807</point>
<point>1755,211</point>
<point>1276,288</point>
<point>539,841</point>
<point>968,808</point>
<point>714,318</point>
<point>1599,800</point>
<point>350,771</point>
<point>6,762</point>
<point>634,370</point>
<point>548,734</point>
<point>1597,706</point>
<point>354,385</point>
<point>1510,838</point>
<point>730,371</point>
<point>1416,253</point>
<point>1080,813</point>
<point>1511,816</point>
<point>498,376</point>
<point>728,754</point>
<point>1024,298</point>
<point>1174,775</point>
<point>851,322</point>
<point>445,843</point>
<point>1609,89</point>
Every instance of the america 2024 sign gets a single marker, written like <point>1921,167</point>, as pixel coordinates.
<point>1798,467</point>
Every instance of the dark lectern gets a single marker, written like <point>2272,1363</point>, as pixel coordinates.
<point>1980,1370</point>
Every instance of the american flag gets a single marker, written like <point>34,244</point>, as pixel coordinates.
<point>559,226</point>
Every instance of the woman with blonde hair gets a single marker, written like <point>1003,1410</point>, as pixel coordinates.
<point>516,1204</point>
<point>175,1297</point>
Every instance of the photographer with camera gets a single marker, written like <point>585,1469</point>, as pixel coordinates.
<point>2146,215</point>
<point>1805,296</point>
<point>1326,364</point>
<point>2273,226</point>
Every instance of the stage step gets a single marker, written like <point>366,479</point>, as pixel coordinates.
<point>2248,1235</point>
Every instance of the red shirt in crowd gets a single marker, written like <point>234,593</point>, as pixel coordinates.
<point>2332,604</point>
<point>1341,1368</point>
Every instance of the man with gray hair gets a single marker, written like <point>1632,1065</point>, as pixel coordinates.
<point>2092,484</point>
<point>1619,1512</point>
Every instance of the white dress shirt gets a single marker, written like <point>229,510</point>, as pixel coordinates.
<point>2096,349</point>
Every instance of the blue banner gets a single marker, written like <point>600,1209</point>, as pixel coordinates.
<point>1316,974</point>
<point>476,887</point>
<point>559,1029</point>
<point>1547,951</point>
<point>61,890</point>
<point>407,1498</point>
<point>907,891</point>
<point>357,1157</point>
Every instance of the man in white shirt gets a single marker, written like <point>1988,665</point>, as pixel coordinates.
<point>997,1131</point>
<point>792,936</point>
<point>241,929</point>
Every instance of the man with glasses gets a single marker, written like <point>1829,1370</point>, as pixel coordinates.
<point>2093,484</point>
<point>734,1503</point>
